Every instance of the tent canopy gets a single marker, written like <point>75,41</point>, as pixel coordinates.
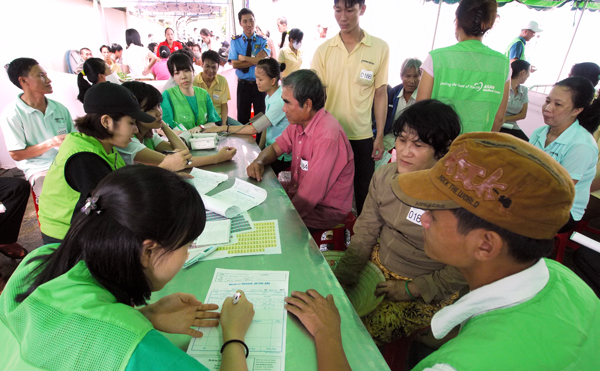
<point>592,5</point>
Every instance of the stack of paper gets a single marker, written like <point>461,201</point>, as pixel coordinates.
<point>206,181</point>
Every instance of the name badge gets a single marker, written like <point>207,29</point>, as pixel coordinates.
<point>61,131</point>
<point>304,165</point>
<point>414,215</point>
<point>366,75</point>
<point>215,97</point>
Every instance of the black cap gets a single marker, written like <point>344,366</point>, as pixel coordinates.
<point>105,97</point>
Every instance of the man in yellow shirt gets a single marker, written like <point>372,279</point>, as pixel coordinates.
<point>353,66</point>
<point>216,85</point>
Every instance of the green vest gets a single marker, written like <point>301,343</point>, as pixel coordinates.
<point>182,112</point>
<point>470,77</point>
<point>58,199</point>
<point>69,323</point>
<point>558,329</point>
<point>516,40</point>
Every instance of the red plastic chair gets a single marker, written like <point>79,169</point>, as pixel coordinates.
<point>36,206</point>
<point>338,239</point>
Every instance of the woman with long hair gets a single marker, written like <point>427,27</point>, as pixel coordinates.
<point>137,60</point>
<point>518,99</point>
<point>291,54</point>
<point>78,298</point>
<point>95,70</point>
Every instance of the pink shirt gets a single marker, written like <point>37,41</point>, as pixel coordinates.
<point>160,70</point>
<point>322,170</point>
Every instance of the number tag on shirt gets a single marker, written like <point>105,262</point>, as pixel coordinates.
<point>61,131</point>
<point>303,164</point>
<point>215,97</point>
<point>366,75</point>
<point>414,215</point>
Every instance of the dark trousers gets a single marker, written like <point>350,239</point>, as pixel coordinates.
<point>247,96</point>
<point>279,165</point>
<point>515,133</point>
<point>14,194</point>
<point>587,266</point>
<point>364,167</point>
<point>47,239</point>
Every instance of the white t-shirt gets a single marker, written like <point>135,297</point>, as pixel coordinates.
<point>136,57</point>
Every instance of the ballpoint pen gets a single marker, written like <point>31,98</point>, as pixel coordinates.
<point>206,252</point>
<point>236,298</point>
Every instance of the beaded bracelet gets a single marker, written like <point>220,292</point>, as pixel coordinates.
<point>235,341</point>
<point>408,291</point>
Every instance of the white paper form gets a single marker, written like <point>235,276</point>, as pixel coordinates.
<point>206,181</point>
<point>224,208</point>
<point>243,194</point>
<point>266,336</point>
<point>216,232</point>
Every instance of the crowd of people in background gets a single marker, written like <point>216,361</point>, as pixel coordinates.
<point>459,225</point>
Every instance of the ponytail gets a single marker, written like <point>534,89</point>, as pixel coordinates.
<point>83,85</point>
<point>91,69</point>
<point>589,118</point>
<point>283,35</point>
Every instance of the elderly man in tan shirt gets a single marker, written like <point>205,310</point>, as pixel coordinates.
<point>417,286</point>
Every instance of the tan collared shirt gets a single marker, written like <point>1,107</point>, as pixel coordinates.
<point>218,90</point>
<point>351,80</point>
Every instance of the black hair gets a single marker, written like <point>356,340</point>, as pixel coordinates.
<point>145,94</point>
<point>205,32</point>
<point>282,20</point>
<point>135,203</point>
<point>151,46</point>
<point>589,70</point>
<point>104,46</point>
<point>92,68</point>
<point>518,66</point>
<point>271,67</point>
<point>243,12</point>
<point>476,17</point>
<point>164,51</point>
<point>179,62</point>
<point>115,48</point>
<point>436,124</point>
<point>296,34</point>
<point>522,249</point>
<point>211,55</point>
<point>349,3</point>
<point>169,28</point>
<point>132,37</point>
<point>306,84</point>
<point>91,124</point>
<point>20,67</point>
<point>582,96</point>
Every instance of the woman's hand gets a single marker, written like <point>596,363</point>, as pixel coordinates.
<point>177,313</point>
<point>236,318</point>
<point>394,290</point>
<point>215,129</point>
<point>225,154</point>
<point>197,129</point>
<point>176,161</point>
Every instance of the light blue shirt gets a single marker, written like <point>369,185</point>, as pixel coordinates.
<point>275,114</point>
<point>24,126</point>
<point>576,150</point>
<point>239,44</point>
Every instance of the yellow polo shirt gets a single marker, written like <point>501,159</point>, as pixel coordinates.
<point>351,80</point>
<point>218,91</point>
<point>292,61</point>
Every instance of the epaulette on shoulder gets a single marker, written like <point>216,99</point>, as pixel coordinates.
<point>236,37</point>
<point>261,36</point>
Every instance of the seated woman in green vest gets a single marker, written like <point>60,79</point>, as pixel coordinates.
<point>78,299</point>
<point>186,107</point>
<point>274,121</point>
<point>471,77</point>
<point>146,146</point>
<point>86,157</point>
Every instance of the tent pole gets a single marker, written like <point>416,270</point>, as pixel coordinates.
<point>573,38</point>
<point>436,23</point>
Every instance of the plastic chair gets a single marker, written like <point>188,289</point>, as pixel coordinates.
<point>338,238</point>
<point>563,240</point>
<point>36,206</point>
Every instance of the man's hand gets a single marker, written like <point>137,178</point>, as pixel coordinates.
<point>394,290</point>
<point>177,313</point>
<point>532,69</point>
<point>263,54</point>
<point>319,315</point>
<point>256,170</point>
<point>197,129</point>
<point>57,140</point>
<point>225,154</point>
<point>378,148</point>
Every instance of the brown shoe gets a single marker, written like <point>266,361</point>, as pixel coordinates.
<point>13,251</point>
